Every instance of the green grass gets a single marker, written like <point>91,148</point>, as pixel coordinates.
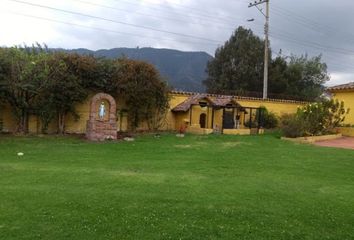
<point>198,187</point>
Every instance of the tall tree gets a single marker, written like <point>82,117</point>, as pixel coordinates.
<point>306,76</point>
<point>68,75</point>
<point>278,82</point>
<point>27,75</point>
<point>238,65</point>
<point>238,69</point>
<point>143,89</point>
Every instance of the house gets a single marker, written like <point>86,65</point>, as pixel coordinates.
<point>345,93</point>
<point>205,113</point>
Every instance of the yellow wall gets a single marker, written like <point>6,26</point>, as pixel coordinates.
<point>237,131</point>
<point>279,107</point>
<point>9,121</point>
<point>348,98</point>
<point>346,131</point>
<point>173,121</point>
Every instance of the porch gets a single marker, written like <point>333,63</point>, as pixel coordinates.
<point>201,114</point>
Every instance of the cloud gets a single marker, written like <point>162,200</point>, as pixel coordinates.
<point>340,78</point>
<point>297,27</point>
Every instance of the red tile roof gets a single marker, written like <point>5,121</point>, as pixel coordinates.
<point>219,101</point>
<point>222,101</point>
<point>192,100</point>
<point>238,97</point>
<point>347,86</point>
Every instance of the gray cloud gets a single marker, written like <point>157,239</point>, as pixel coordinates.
<point>298,27</point>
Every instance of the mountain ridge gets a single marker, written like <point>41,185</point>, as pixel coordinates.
<point>183,70</point>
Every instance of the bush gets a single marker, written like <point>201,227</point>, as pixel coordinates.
<point>292,126</point>
<point>270,119</point>
<point>314,119</point>
<point>267,119</point>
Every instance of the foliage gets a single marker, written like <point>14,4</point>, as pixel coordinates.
<point>26,75</point>
<point>34,81</point>
<point>263,118</point>
<point>323,117</point>
<point>144,92</point>
<point>293,126</point>
<point>269,119</point>
<point>63,90</point>
<point>306,76</point>
<point>238,69</point>
<point>238,65</point>
<point>315,119</point>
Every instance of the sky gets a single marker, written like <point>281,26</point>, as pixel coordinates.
<point>296,27</point>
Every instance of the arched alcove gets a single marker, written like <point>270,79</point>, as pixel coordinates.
<point>102,126</point>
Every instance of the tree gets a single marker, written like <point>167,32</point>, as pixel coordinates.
<point>145,93</point>
<point>64,89</point>
<point>278,82</point>
<point>306,76</point>
<point>238,69</point>
<point>238,65</point>
<point>5,69</point>
<point>34,81</point>
<point>26,75</point>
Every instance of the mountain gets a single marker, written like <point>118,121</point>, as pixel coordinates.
<point>183,70</point>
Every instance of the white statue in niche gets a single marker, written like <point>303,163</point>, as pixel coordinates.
<point>102,111</point>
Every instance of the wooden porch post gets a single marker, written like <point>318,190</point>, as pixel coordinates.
<point>250,118</point>
<point>207,117</point>
<point>190,115</point>
<point>212,117</point>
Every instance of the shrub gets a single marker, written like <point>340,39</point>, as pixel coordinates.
<point>292,126</point>
<point>270,119</point>
<point>314,119</point>
<point>266,119</point>
<point>254,124</point>
<point>323,117</point>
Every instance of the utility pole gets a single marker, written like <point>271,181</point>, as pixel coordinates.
<point>266,42</point>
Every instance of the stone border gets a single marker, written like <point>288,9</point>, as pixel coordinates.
<point>312,139</point>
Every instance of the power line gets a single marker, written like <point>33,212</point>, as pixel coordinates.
<point>114,21</point>
<point>210,14</point>
<point>107,30</point>
<point>202,16</point>
<point>312,25</point>
<point>148,15</point>
<point>275,35</point>
<point>313,44</point>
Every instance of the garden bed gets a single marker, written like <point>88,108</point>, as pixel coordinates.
<point>312,139</point>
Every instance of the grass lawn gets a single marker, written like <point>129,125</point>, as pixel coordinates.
<point>198,187</point>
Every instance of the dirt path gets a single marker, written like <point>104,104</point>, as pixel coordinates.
<point>344,142</point>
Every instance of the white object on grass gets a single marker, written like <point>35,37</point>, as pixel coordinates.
<point>20,154</point>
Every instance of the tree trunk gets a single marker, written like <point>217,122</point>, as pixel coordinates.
<point>23,122</point>
<point>61,123</point>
